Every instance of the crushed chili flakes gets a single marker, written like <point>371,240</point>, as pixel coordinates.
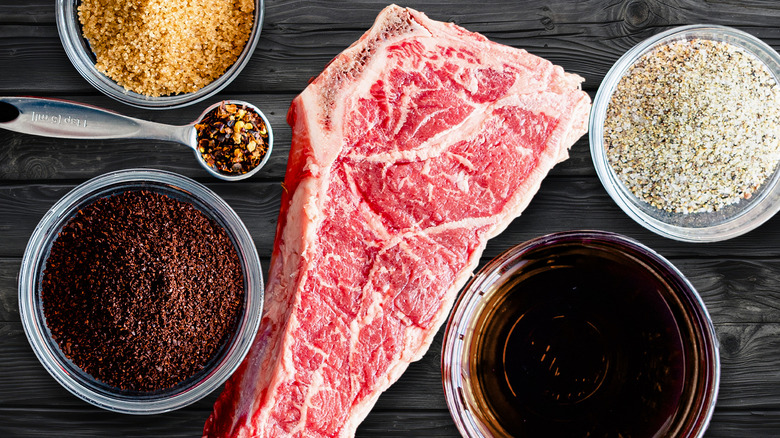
<point>232,139</point>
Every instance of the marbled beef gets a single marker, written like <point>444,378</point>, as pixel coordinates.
<point>415,146</point>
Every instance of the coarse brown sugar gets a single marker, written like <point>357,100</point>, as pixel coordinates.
<point>694,126</point>
<point>165,47</point>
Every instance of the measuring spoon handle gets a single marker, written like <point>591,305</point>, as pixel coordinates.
<point>66,119</point>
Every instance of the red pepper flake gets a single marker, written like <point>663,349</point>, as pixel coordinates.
<point>232,139</point>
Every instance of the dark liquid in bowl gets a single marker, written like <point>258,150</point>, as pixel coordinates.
<point>580,344</point>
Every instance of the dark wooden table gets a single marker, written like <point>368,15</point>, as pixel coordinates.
<point>739,279</point>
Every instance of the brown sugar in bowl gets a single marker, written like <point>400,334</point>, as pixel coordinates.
<point>137,83</point>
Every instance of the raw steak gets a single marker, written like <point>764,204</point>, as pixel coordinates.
<point>415,146</point>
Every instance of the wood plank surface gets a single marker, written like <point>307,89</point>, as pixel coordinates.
<point>743,298</point>
<point>26,157</point>
<point>739,279</point>
<point>299,38</point>
<point>561,204</point>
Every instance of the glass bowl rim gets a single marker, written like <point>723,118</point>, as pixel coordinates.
<point>755,213</point>
<point>52,358</point>
<point>464,310</point>
<point>74,43</point>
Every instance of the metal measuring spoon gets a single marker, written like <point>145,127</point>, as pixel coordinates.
<point>66,119</point>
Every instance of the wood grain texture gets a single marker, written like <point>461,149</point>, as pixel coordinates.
<point>27,157</point>
<point>735,291</point>
<point>750,379</point>
<point>561,204</point>
<point>739,280</point>
<point>41,423</point>
<point>24,205</point>
<point>9,298</point>
<point>299,38</point>
<point>26,382</point>
<point>743,298</point>
<point>744,423</point>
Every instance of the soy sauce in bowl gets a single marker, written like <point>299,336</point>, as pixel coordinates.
<point>571,348</point>
<point>580,334</point>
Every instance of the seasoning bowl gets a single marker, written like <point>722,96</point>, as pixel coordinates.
<point>240,176</point>
<point>580,333</point>
<point>696,226</point>
<point>223,362</point>
<point>80,54</point>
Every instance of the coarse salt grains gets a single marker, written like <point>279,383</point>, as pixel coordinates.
<point>694,126</point>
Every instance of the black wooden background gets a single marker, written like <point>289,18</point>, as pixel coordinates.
<point>738,279</point>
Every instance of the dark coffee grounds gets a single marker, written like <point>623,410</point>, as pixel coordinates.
<point>141,290</point>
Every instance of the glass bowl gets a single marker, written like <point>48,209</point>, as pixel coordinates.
<point>81,384</point>
<point>80,54</point>
<point>585,330</point>
<point>726,223</point>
